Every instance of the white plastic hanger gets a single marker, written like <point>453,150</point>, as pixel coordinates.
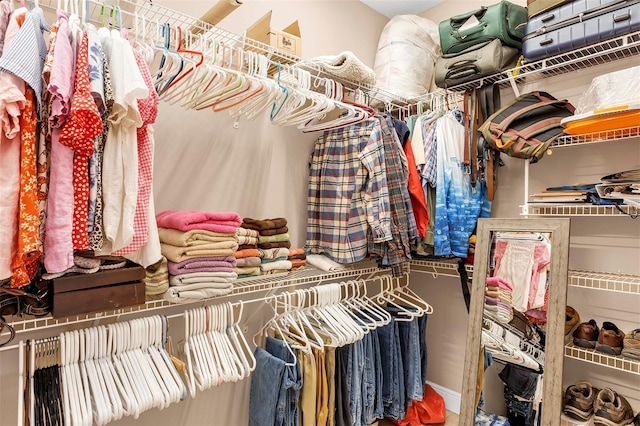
<point>124,387</point>
<point>237,336</point>
<point>272,324</point>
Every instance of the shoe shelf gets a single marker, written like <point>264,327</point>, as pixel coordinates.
<point>597,137</point>
<point>601,53</point>
<point>578,209</point>
<point>619,362</point>
<point>619,283</point>
<point>363,270</point>
<point>568,421</point>
<point>437,268</point>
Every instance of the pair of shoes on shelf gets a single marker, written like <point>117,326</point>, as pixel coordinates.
<point>631,347</point>
<point>608,408</point>
<point>609,339</point>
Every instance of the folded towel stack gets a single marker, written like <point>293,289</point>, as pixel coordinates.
<point>157,278</point>
<point>497,299</point>
<point>199,247</point>
<point>273,243</point>
<point>298,258</point>
<point>247,238</point>
<point>247,262</point>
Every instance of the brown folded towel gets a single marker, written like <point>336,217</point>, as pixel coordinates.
<point>301,256</point>
<point>248,246</point>
<point>281,230</point>
<point>286,244</point>
<point>261,225</point>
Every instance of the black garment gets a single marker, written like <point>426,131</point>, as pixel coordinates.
<point>521,382</point>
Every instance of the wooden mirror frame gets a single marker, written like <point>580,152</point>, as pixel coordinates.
<point>554,342</point>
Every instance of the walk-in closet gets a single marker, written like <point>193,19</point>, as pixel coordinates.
<point>375,282</point>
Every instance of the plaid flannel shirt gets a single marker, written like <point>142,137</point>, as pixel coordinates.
<point>403,224</point>
<point>348,199</point>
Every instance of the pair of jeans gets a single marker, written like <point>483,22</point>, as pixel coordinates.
<point>342,414</point>
<point>369,380</point>
<point>263,395</point>
<point>411,356</point>
<point>422,335</point>
<point>520,412</point>
<point>393,392</point>
<point>378,407</point>
<point>291,384</point>
<point>355,380</point>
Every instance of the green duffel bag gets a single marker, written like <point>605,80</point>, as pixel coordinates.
<point>504,21</point>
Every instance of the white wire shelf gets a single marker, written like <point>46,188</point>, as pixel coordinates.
<point>619,283</point>
<point>363,270</point>
<point>592,356</point>
<point>578,209</point>
<point>597,137</point>
<point>604,52</point>
<point>151,16</point>
<point>437,268</point>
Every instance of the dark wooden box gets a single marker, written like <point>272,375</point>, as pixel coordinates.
<point>77,294</point>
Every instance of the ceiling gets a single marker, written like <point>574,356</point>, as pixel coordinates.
<point>391,8</point>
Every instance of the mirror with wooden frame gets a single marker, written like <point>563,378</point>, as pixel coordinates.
<point>517,320</point>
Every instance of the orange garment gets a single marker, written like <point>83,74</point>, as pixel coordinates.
<point>25,261</point>
<point>416,193</point>
<point>246,253</point>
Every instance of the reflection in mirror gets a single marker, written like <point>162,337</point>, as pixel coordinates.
<point>516,324</point>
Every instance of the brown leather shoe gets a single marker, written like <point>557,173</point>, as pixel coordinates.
<point>586,335</point>
<point>611,409</point>
<point>610,339</point>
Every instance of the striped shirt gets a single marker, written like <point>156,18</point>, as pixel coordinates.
<point>348,199</point>
<point>25,57</point>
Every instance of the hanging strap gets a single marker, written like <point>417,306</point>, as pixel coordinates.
<point>467,125</point>
<point>464,283</point>
<point>489,103</point>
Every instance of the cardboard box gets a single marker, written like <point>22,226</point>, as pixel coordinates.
<point>287,40</point>
<point>76,294</point>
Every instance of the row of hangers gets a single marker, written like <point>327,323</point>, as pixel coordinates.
<point>212,71</point>
<point>338,314</point>
<point>507,346</point>
<point>215,348</point>
<point>218,75</point>
<point>108,372</point>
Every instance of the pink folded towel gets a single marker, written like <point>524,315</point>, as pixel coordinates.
<point>499,282</point>
<point>186,220</point>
